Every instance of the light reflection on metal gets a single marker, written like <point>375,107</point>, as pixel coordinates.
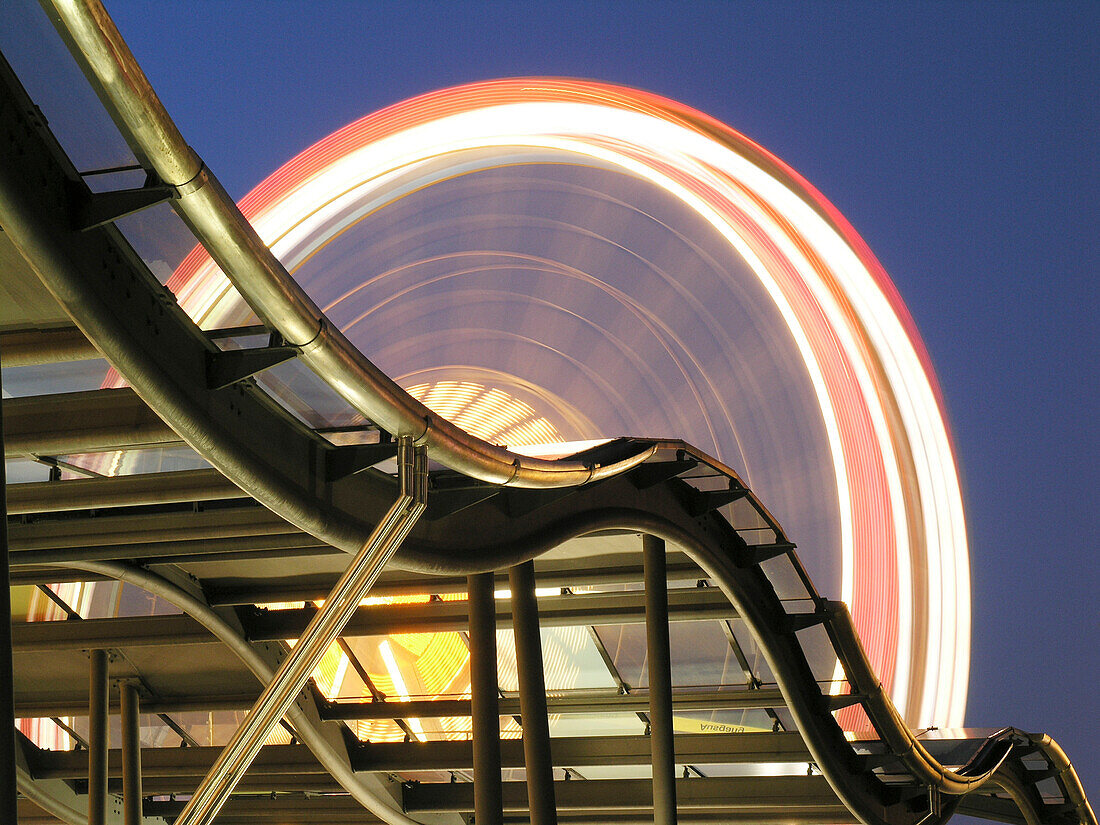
<point>487,412</point>
<point>322,631</point>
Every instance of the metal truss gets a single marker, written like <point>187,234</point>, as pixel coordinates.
<point>326,497</point>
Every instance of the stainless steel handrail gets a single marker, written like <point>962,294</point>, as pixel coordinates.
<point>322,631</point>
<point>264,282</point>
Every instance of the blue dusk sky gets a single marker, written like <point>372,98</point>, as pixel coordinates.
<point>960,140</point>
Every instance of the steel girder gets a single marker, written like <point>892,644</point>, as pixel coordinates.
<point>120,491</point>
<point>392,757</point>
<point>377,620</point>
<point>31,347</point>
<point>573,702</point>
<point>82,422</point>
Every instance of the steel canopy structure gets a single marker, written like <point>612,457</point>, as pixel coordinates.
<point>180,591</point>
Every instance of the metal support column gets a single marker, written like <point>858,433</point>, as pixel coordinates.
<point>7,670</point>
<point>326,625</point>
<point>98,688</point>
<point>484,707</point>
<point>532,696</point>
<point>660,681</point>
<point>131,753</point>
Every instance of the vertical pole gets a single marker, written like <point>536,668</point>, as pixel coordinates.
<point>532,696</point>
<point>660,681</point>
<point>97,738</point>
<point>485,710</point>
<point>131,754</point>
<point>7,669</point>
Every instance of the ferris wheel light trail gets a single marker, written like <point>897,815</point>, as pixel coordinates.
<point>892,462</point>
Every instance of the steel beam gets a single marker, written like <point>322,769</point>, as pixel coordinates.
<point>32,347</point>
<point>538,762</point>
<point>177,762</point>
<point>687,604</point>
<point>90,633</point>
<point>34,706</point>
<point>131,754</point>
<point>338,810</point>
<point>790,796</point>
<point>599,570</point>
<point>245,520</point>
<point>82,422</point>
<point>236,548</point>
<point>660,682</point>
<point>583,751</point>
<point>445,755</point>
<point>569,702</point>
<point>121,491</point>
<point>97,738</point>
<point>484,708</point>
<point>281,767</point>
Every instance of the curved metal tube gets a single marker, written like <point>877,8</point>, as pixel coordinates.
<point>326,754</point>
<point>264,282</point>
<point>1067,776</point>
<point>888,722</point>
<point>751,593</point>
<point>757,604</point>
<point>31,790</point>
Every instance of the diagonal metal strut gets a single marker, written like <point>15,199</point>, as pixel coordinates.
<point>340,605</point>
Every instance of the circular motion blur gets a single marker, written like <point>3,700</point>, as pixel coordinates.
<point>543,260</point>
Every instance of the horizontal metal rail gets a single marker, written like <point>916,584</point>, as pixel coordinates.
<point>34,347</point>
<point>285,760</point>
<point>596,572</point>
<point>634,702</point>
<point>149,528</point>
<point>790,795</point>
<point>121,491</point>
<point>691,604</point>
<point>336,809</point>
<point>34,706</point>
<point>82,422</point>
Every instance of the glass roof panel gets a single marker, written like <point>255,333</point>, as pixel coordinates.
<point>57,86</point>
<point>596,724</point>
<point>137,462</point>
<point>784,578</point>
<point>819,652</point>
<point>48,379</point>
<point>701,654</point>
<point>571,660</point>
<point>722,721</point>
<point>24,470</point>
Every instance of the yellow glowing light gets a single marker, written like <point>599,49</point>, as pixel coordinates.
<point>399,685</point>
<point>487,412</point>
